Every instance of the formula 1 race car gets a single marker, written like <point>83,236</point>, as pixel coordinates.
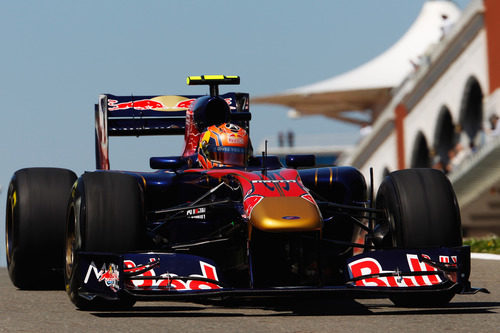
<point>218,222</point>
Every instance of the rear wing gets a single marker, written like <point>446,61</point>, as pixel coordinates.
<point>146,115</point>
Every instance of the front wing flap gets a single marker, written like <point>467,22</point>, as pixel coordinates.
<point>172,275</point>
<point>402,269</point>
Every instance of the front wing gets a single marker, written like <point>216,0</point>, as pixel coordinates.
<point>382,273</point>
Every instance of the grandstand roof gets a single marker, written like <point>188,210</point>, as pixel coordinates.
<point>368,86</point>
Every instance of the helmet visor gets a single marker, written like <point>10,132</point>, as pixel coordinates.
<point>228,155</point>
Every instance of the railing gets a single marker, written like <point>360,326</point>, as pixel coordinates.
<point>478,172</point>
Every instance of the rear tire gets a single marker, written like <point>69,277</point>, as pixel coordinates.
<point>105,214</point>
<point>35,225</point>
<point>422,212</point>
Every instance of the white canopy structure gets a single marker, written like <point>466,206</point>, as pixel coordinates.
<point>368,86</point>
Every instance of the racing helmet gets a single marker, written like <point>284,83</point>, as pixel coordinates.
<point>222,146</point>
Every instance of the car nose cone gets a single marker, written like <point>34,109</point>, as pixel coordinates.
<point>281,214</point>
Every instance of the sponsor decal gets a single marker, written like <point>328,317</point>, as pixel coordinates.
<point>236,140</point>
<point>197,213</point>
<point>185,104</point>
<point>272,181</point>
<point>110,275</point>
<point>290,217</point>
<point>371,267</point>
<point>170,282</point>
<point>142,104</point>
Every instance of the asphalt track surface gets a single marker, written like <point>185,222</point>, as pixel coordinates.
<point>51,311</point>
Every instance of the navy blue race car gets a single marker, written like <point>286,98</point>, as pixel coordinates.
<point>218,221</point>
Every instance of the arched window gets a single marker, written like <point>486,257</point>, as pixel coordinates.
<point>445,139</point>
<point>471,112</point>
<point>386,172</point>
<point>421,154</point>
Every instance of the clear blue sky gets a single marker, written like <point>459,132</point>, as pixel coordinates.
<point>58,56</point>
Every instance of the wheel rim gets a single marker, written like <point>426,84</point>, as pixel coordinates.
<point>9,226</point>
<point>70,240</point>
<point>70,247</point>
<point>389,240</point>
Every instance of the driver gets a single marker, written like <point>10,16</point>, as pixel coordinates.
<point>225,145</point>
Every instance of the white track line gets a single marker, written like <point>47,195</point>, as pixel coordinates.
<point>485,256</point>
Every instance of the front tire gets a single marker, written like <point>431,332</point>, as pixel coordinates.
<point>422,209</point>
<point>422,212</point>
<point>105,214</point>
<point>34,226</point>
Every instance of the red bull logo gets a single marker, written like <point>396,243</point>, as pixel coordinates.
<point>185,104</point>
<point>371,268</point>
<point>169,281</point>
<point>142,104</point>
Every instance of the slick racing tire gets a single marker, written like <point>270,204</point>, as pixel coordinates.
<point>105,214</point>
<point>422,212</point>
<point>35,226</point>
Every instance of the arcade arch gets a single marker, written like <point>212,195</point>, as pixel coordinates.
<point>445,138</point>
<point>421,157</point>
<point>385,172</point>
<point>471,113</point>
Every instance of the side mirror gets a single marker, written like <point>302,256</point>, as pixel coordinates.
<point>169,162</point>
<point>295,161</point>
